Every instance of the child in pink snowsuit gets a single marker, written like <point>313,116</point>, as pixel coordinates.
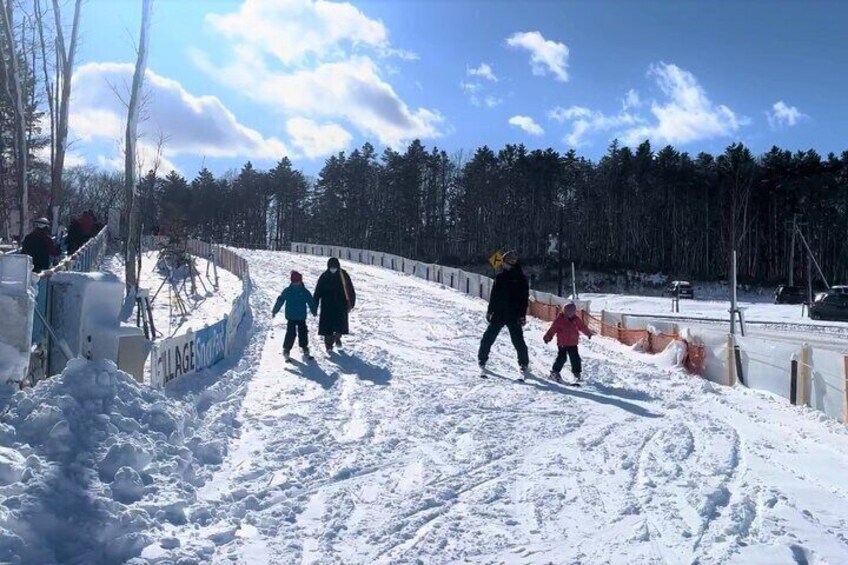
<point>567,328</point>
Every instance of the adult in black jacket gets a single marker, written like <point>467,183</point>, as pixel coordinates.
<point>335,295</point>
<point>40,246</point>
<point>507,307</point>
<point>75,238</point>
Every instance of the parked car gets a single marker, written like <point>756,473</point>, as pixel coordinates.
<point>839,289</point>
<point>830,306</point>
<point>785,294</point>
<point>681,289</point>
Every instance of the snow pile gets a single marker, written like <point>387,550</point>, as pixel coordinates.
<point>674,355</point>
<point>13,363</point>
<point>90,463</point>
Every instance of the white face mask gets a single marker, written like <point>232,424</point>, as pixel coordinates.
<point>334,270</point>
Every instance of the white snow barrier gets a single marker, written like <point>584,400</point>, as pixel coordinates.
<point>17,304</point>
<point>85,316</point>
<point>195,351</point>
<point>86,259</point>
<point>797,372</point>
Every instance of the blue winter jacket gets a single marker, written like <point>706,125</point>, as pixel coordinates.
<point>296,298</point>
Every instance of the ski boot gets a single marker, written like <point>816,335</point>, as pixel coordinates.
<point>556,377</point>
<point>307,355</point>
<point>286,355</point>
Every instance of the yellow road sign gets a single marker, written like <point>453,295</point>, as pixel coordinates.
<point>496,260</point>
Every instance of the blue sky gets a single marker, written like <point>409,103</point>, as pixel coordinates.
<point>232,80</point>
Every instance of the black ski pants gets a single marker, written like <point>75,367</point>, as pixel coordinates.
<point>572,353</point>
<point>296,328</point>
<point>516,333</point>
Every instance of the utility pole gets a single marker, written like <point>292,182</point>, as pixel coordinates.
<point>733,310</point>
<point>809,279</point>
<point>812,257</point>
<point>559,252</point>
<point>574,295</point>
<point>792,251</point>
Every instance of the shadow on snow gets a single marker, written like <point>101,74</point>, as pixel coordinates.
<point>313,372</point>
<point>605,395</point>
<point>362,369</point>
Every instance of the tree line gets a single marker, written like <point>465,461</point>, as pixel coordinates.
<point>644,208</point>
<point>652,211</point>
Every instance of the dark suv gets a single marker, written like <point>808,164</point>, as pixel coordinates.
<point>785,294</point>
<point>830,306</point>
<point>681,289</point>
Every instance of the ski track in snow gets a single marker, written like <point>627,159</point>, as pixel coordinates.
<point>395,450</point>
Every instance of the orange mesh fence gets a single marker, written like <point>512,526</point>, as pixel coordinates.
<point>545,312</point>
<point>632,337</point>
<point>695,356</point>
<point>660,341</point>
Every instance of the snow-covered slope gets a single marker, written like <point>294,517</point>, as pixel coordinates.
<point>396,452</point>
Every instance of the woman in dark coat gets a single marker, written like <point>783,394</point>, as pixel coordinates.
<point>335,295</point>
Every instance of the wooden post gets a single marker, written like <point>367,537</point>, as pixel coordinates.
<point>731,365</point>
<point>804,377</point>
<point>740,374</point>
<point>793,383</point>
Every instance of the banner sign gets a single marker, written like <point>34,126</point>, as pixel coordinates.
<point>172,358</point>
<point>210,345</point>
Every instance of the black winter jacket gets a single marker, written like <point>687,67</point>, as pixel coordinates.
<point>336,299</point>
<point>510,296</point>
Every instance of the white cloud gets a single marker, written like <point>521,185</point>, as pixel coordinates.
<point>308,59</point>
<point>317,140</point>
<point>483,71</point>
<point>631,100</point>
<point>148,156</point>
<point>782,114</point>
<point>492,101</point>
<point>477,95</point>
<point>584,121</point>
<point>291,30</point>
<point>72,158</point>
<point>474,91</point>
<point>687,114</point>
<point>350,90</point>
<point>545,56</point>
<point>196,125</point>
<point>527,124</point>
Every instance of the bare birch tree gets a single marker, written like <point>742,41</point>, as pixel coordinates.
<point>131,190</point>
<point>65,62</point>
<point>13,90</point>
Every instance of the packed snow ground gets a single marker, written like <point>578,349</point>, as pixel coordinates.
<point>395,451</point>
<point>206,306</point>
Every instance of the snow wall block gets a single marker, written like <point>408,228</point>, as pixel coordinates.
<point>17,304</point>
<point>85,312</point>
